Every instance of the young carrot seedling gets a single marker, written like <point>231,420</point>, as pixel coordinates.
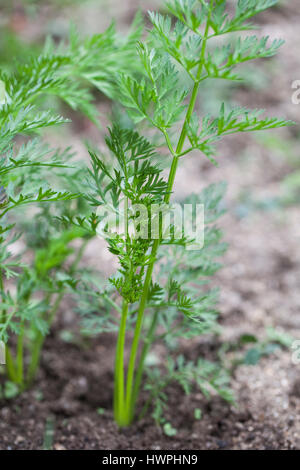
<point>29,306</point>
<point>157,275</point>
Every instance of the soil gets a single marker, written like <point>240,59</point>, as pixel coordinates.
<point>74,391</point>
<point>260,287</point>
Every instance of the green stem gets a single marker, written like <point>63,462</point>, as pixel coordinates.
<point>10,366</point>
<point>35,358</point>
<point>140,369</point>
<point>10,363</point>
<point>38,343</point>
<point>137,334</point>
<point>19,358</point>
<point>119,403</point>
<point>143,302</point>
<point>132,391</point>
<point>40,339</point>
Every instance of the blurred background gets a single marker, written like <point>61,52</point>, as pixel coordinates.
<point>260,280</point>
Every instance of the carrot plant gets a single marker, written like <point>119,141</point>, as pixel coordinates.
<point>162,280</point>
<point>32,173</point>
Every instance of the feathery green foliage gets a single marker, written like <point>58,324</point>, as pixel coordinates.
<point>161,290</point>
<point>66,72</point>
<point>173,300</point>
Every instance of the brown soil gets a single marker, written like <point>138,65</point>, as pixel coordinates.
<point>75,382</point>
<point>260,287</point>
